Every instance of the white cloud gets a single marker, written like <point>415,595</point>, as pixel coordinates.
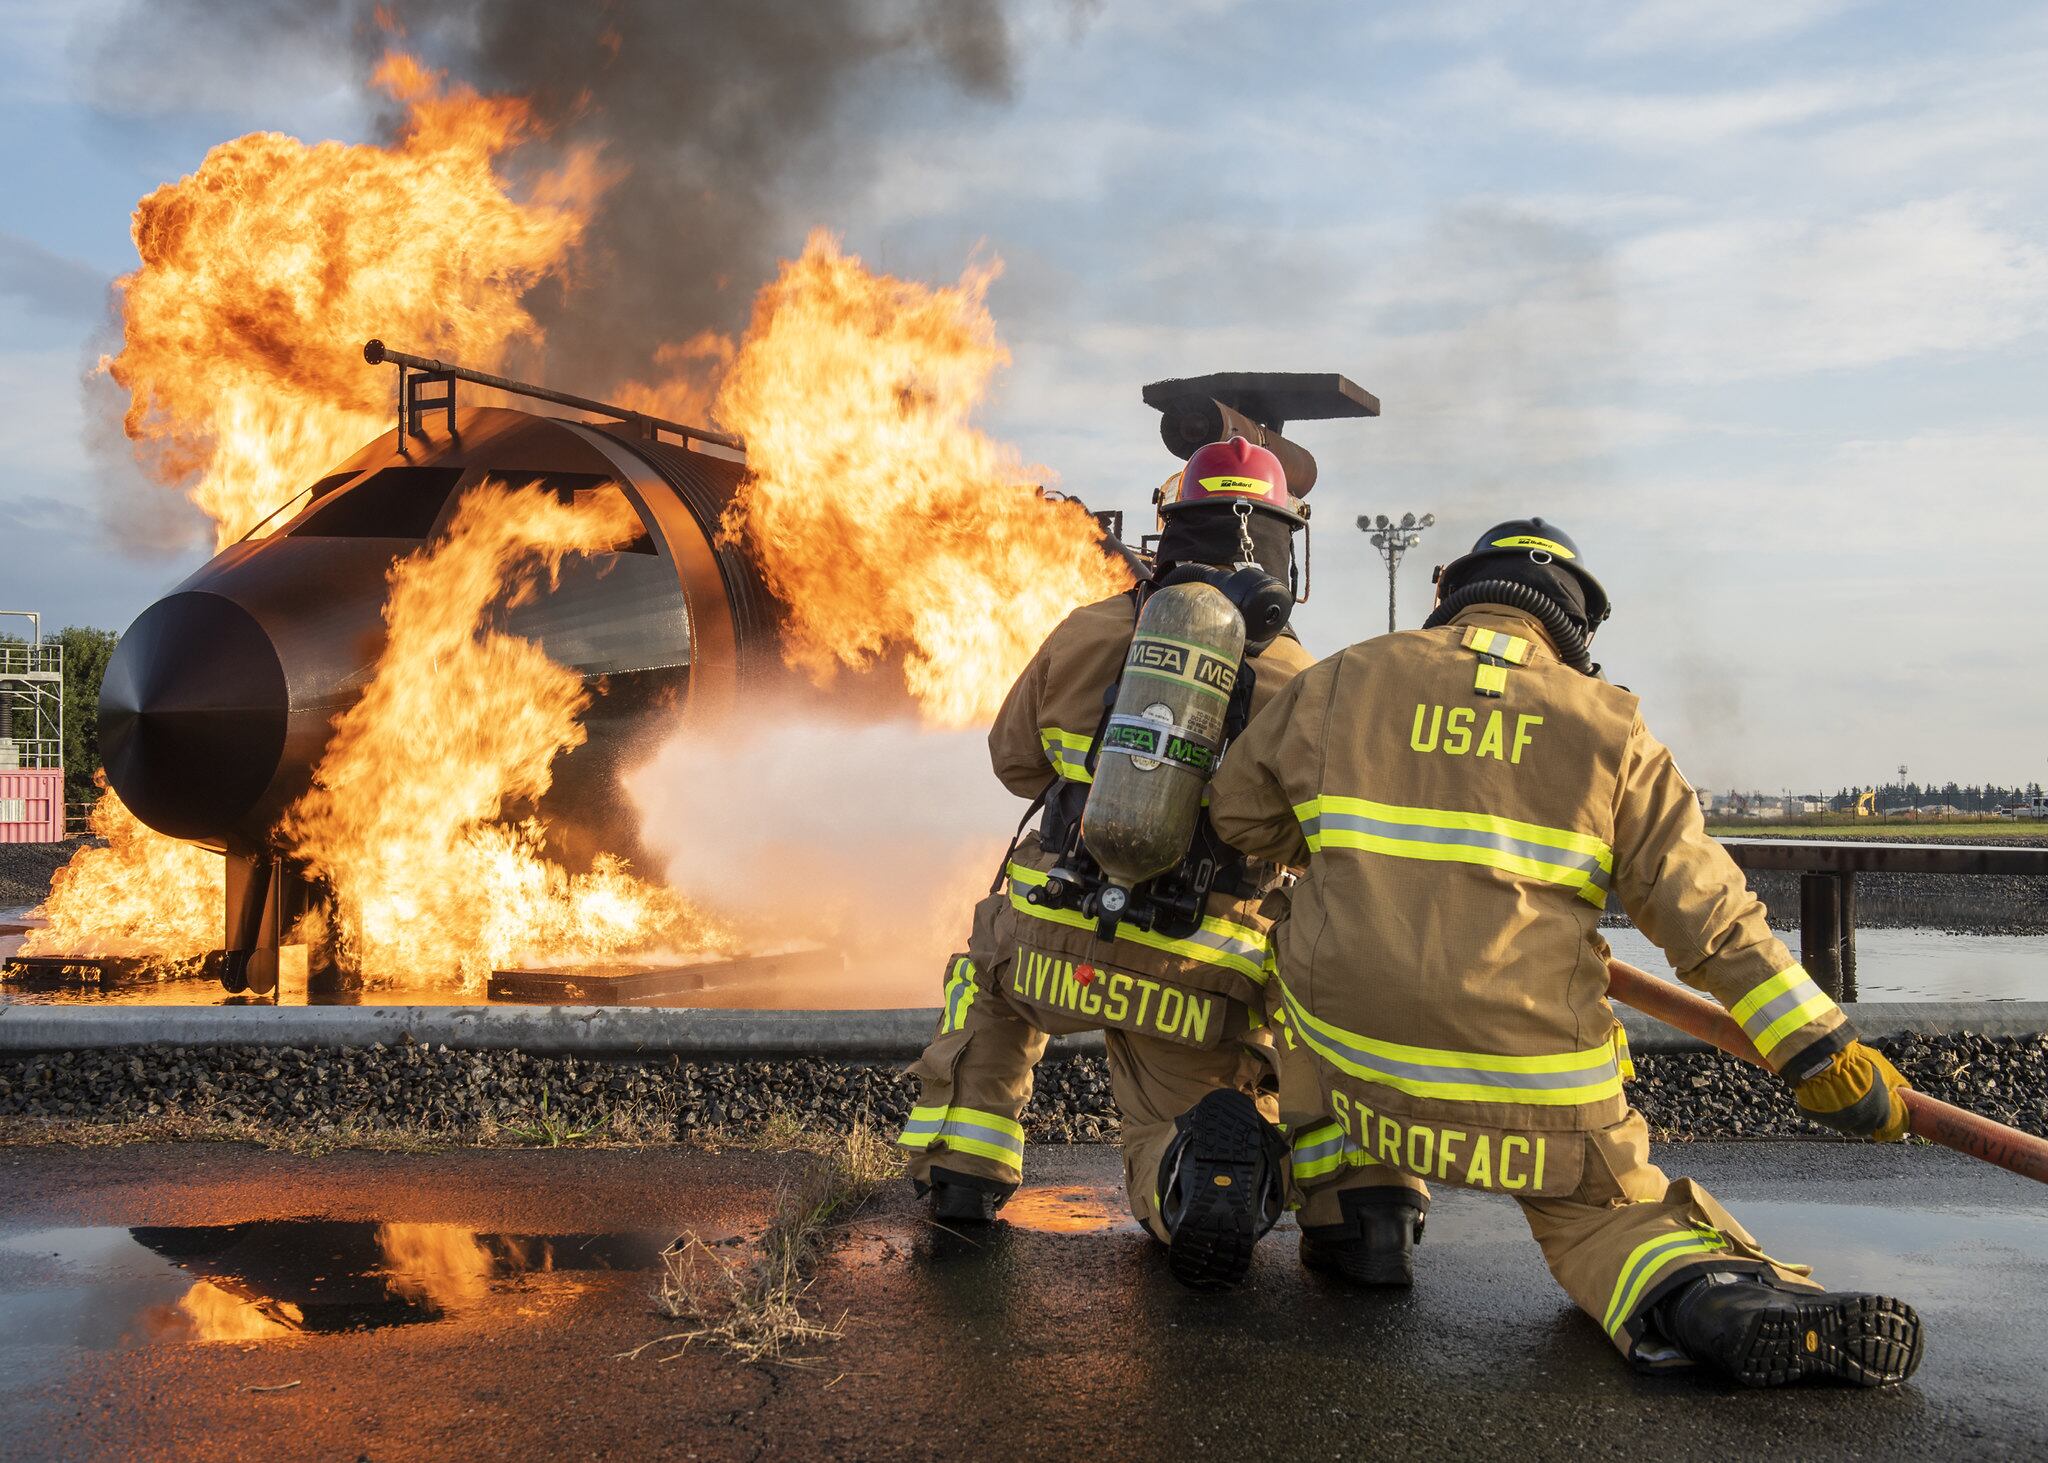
<point>1647,121</point>
<point>1697,25</point>
<point>1781,296</point>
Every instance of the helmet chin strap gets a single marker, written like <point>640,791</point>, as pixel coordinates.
<point>1247,555</point>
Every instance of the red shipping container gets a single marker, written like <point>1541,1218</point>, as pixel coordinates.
<point>32,805</point>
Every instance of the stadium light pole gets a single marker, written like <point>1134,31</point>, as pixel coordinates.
<point>1393,540</point>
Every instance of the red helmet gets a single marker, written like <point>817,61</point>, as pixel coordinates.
<point>1232,472</point>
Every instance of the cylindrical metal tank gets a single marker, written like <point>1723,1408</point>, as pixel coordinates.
<point>220,699</point>
<point>1160,745</point>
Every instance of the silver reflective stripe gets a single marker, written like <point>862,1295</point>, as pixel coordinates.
<point>960,1127</point>
<point>1065,757</point>
<point>1765,1016</point>
<point>1543,853</point>
<point>956,987</point>
<point>1224,944</point>
<point>1600,1066</point>
<point>1327,1148</point>
<point>1648,1260</point>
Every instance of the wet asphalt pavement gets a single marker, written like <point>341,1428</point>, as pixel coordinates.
<point>475,1303</point>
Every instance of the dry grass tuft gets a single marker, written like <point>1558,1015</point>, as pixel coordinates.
<point>756,1311</point>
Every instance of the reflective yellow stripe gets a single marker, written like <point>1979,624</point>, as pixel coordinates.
<point>959,995</point>
<point>1780,1006</point>
<point>1622,1060</point>
<point>966,1130</point>
<point>1218,942</point>
<point>1511,648</point>
<point>1646,1260</point>
<point>1491,680</point>
<point>1562,1079</point>
<point>1577,861</point>
<point>1009,1127</point>
<point>1067,752</point>
<point>1323,1149</point>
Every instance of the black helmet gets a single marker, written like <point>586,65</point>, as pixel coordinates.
<point>1531,541</point>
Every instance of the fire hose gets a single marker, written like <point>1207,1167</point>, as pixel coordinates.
<point>1932,1119</point>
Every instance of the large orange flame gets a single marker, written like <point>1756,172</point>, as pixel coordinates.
<point>265,271</point>
<point>141,895</point>
<point>892,527</point>
<point>403,818</point>
<point>884,519</point>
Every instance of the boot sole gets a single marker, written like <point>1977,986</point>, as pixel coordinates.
<point>1865,1340</point>
<point>1212,1245</point>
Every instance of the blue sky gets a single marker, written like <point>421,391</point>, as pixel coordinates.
<point>1752,297</point>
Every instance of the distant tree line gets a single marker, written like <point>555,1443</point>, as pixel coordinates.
<point>1969,797</point>
<point>86,653</point>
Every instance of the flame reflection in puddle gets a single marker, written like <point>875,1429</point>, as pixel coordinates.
<point>1073,1209</point>
<point>268,1280</point>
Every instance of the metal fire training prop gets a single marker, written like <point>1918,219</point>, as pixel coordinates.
<point>431,372</point>
<point>1931,1118</point>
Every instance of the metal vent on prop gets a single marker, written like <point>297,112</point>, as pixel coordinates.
<point>1256,405</point>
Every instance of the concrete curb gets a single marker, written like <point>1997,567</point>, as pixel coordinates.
<point>616,1031</point>
<point>582,1031</point>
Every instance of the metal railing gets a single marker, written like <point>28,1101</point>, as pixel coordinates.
<point>19,661</point>
<point>1827,886</point>
<point>30,753</point>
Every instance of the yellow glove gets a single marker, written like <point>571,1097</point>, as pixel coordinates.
<point>1857,1092</point>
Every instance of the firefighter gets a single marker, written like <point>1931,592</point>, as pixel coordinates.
<point>1469,799</point>
<point>1180,1009</point>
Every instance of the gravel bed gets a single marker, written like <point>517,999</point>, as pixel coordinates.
<point>473,1096</point>
<point>1961,904</point>
<point>25,869</point>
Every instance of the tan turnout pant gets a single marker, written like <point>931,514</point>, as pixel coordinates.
<point>1618,1242</point>
<point>976,1077</point>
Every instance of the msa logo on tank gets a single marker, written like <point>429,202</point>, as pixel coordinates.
<point>1179,662</point>
<point>1152,738</point>
<point>1107,996</point>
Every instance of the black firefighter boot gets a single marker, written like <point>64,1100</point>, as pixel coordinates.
<point>962,1198</point>
<point>1375,1243</point>
<point>1765,1335</point>
<point>1220,1188</point>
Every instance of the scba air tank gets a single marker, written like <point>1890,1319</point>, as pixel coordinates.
<point>1161,743</point>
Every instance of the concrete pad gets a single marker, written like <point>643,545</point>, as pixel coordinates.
<point>1058,1336</point>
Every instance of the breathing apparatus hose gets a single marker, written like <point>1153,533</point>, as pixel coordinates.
<point>1564,631</point>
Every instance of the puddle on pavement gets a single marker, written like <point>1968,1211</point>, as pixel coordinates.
<point>1057,1209</point>
<point>1075,1209</point>
<point>267,1280</point>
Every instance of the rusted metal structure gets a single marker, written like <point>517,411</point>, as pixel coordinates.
<point>221,697</point>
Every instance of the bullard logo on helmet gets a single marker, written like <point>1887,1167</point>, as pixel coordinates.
<point>1530,541</point>
<point>1256,487</point>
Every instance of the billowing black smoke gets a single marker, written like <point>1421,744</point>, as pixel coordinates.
<point>719,110</point>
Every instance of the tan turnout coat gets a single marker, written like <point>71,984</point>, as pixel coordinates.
<point>1045,730</point>
<point>1441,957</point>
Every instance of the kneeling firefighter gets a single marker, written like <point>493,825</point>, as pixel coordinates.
<point>1469,798</point>
<point>1123,912</point>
